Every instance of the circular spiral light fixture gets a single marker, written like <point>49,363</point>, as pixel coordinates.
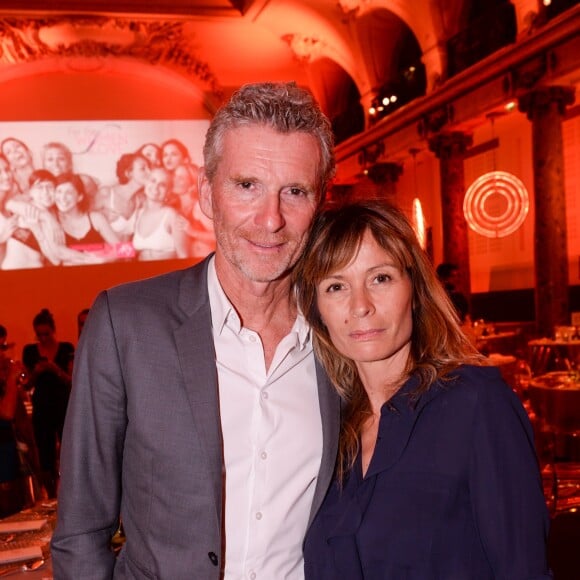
<point>496,204</point>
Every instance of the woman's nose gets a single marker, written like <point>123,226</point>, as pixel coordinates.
<point>361,305</point>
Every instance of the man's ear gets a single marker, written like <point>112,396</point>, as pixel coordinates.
<point>205,193</point>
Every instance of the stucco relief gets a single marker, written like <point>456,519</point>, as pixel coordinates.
<point>155,42</point>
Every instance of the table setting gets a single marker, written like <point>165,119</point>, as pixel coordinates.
<point>25,542</point>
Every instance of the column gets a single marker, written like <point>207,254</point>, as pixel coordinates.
<point>545,108</point>
<point>366,100</point>
<point>385,176</point>
<point>449,149</point>
<point>379,182</point>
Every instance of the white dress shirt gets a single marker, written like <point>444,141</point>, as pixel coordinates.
<point>272,433</point>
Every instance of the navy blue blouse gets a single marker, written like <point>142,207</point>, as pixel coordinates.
<point>452,492</point>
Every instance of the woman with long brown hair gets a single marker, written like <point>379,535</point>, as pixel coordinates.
<point>437,476</point>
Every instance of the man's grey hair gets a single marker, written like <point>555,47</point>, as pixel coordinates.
<point>284,107</point>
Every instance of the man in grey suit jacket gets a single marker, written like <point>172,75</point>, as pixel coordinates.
<point>199,416</point>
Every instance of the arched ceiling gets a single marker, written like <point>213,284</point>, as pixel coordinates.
<point>219,44</point>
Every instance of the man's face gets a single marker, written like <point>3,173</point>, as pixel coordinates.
<point>262,201</point>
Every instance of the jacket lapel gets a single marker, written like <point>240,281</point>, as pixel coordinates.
<point>195,348</point>
<point>329,402</point>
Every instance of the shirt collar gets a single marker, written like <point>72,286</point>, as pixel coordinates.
<point>223,313</point>
<point>222,310</point>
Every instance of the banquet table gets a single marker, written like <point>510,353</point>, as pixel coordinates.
<point>504,342</point>
<point>25,539</point>
<point>546,354</point>
<point>555,398</point>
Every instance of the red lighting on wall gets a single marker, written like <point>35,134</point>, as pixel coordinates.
<point>496,204</point>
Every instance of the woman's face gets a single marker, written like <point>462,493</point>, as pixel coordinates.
<point>152,153</point>
<point>44,333</point>
<point>140,171</point>
<point>171,156</point>
<point>42,194</point>
<point>17,153</point>
<point>157,187</point>
<point>183,180</point>
<point>367,309</point>
<point>66,197</point>
<point>56,161</point>
<point>6,178</point>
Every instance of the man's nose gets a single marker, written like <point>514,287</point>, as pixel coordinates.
<point>270,214</point>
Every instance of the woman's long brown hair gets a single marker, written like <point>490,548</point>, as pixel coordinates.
<point>438,344</point>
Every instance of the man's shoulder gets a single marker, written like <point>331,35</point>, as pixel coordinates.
<point>195,276</point>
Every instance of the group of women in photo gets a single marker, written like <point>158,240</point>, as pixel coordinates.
<point>54,216</point>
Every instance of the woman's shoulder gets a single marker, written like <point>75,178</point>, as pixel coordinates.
<point>97,218</point>
<point>30,348</point>
<point>66,346</point>
<point>102,198</point>
<point>476,373</point>
<point>478,383</point>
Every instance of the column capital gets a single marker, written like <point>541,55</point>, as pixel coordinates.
<point>381,173</point>
<point>447,145</point>
<point>540,100</point>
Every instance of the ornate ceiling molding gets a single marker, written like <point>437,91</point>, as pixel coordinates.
<point>156,42</point>
<point>305,48</point>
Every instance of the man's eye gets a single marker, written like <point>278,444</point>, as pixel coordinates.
<point>297,191</point>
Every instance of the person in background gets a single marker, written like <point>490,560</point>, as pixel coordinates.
<point>174,153</point>
<point>39,239</point>
<point>199,416</point>
<point>35,242</point>
<point>85,231</point>
<point>81,319</point>
<point>437,475</point>
<point>152,152</point>
<point>12,498</point>
<point>8,221</point>
<point>185,198</point>
<point>47,362</point>
<point>18,456</point>
<point>57,158</point>
<point>447,274</point>
<point>20,159</point>
<point>120,202</point>
<point>160,230</point>
<point>184,192</point>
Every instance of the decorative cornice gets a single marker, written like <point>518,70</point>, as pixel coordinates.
<point>559,35</point>
<point>370,154</point>
<point>159,42</point>
<point>305,48</point>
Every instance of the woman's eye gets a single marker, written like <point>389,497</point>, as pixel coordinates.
<point>382,278</point>
<point>334,287</point>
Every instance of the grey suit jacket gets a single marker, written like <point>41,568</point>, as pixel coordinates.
<point>142,437</point>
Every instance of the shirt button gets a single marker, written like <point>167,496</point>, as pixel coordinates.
<point>258,515</point>
<point>263,455</point>
<point>252,575</point>
<point>264,394</point>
